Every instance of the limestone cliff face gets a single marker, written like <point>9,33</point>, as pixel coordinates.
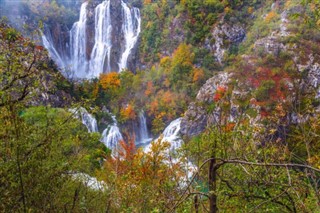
<point>302,54</point>
<point>117,35</point>
<point>199,116</point>
<point>223,36</point>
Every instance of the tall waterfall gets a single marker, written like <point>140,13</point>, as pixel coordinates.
<point>131,31</point>
<point>112,135</point>
<point>78,44</point>
<point>101,49</point>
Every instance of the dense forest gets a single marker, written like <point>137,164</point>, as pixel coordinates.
<point>160,106</point>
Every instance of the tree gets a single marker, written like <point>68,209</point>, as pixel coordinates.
<point>142,182</point>
<point>41,148</point>
<point>240,167</point>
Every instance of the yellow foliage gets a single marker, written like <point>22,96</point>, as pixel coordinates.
<point>227,10</point>
<point>183,2</point>
<point>198,75</point>
<point>109,80</point>
<point>166,82</point>
<point>250,10</point>
<point>149,24</point>
<point>95,90</point>
<point>165,62</point>
<point>182,56</point>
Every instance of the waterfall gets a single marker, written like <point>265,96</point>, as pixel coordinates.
<point>171,134</point>
<point>78,43</point>
<point>102,47</point>
<point>89,181</point>
<point>53,53</point>
<point>110,48</point>
<point>131,31</point>
<point>143,136</point>
<point>87,119</point>
<point>112,135</point>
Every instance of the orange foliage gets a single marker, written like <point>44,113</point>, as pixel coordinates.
<point>154,106</point>
<point>150,89</point>
<point>147,2</point>
<point>270,16</point>
<point>127,150</point>
<point>220,92</point>
<point>140,166</point>
<point>109,80</point>
<point>128,113</point>
<point>230,126</point>
<point>167,97</point>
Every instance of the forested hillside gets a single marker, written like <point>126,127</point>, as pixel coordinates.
<point>160,106</point>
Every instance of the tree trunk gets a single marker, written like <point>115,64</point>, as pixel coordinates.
<point>212,186</point>
<point>196,203</point>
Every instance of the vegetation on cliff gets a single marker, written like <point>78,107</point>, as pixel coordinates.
<point>251,131</point>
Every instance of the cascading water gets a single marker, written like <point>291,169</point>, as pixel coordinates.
<point>108,50</point>
<point>53,53</point>
<point>131,31</point>
<point>171,134</point>
<point>112,135</point>
<point>78,44</point>
<point>87,119</point>
<point>143,135</point>
<point>102,47</point>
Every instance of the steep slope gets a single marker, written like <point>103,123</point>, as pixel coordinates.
<point>273,82</point>
<point>29,72</point>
